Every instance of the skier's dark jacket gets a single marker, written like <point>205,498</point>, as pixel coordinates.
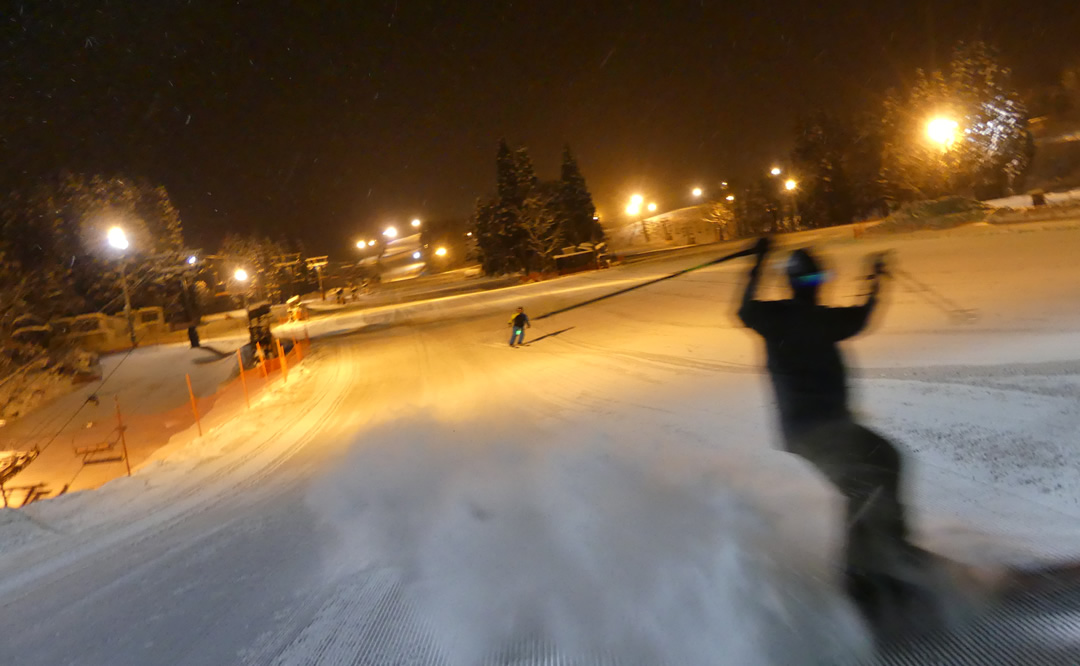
<point>519,320</point>
<point>804,362</point>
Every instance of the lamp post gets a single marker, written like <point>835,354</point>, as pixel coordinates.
<point>118,240</point>
<point>791,185</point>
<point>242,277</point>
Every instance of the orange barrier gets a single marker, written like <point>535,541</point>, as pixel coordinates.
<point>243,379</point>
<point>194,406</point>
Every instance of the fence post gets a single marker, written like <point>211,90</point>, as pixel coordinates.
<point>262,362</point>
<point>123,439</point>
<point>284,363</point>
<point>243,379</point>
<point>194,407</point>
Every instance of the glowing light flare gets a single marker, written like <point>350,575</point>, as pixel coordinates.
<point>776,171</point>
<point>192,259</point>
<point>942,131</point>
<point>416,255</point>
<point>360,245</point>
<point>652,207</point>
<point>790,184</point>
<point>441,252</point>
<point>117,238</point>
<point>241,275</point>
<point>637,200</point>
<point>416,223</point>
<point>390,232</point>
<point>696,191</point>
<point>730,197</point>
<point>371,243</point>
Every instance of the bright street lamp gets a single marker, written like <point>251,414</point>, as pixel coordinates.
<point>441,252</point>
<point>637,199</point>
<point>942,131</point>
<point>416,223</point>
<point>790,184</point>
<point>241,275</point>
<point>652,207</point>
<point>696,192</point>
<point>118,239</point>
<point>776,171</point>
<point>371,243</point>
<point>416,255</point>
<point>192,259</point>
<point>360,245</point>
<point>730,197</point>
<point>391,232</point>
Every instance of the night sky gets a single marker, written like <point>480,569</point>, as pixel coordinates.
<point>328,120</point>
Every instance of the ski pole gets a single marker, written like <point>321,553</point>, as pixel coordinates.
<point>735,255</point>
<point>929,294</point>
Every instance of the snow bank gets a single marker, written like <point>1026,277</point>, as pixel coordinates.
<point>604,549</point>
<point>1024,200</point>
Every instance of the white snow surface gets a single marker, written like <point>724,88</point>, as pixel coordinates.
<point>419,493</point>
<point>1024,200</point>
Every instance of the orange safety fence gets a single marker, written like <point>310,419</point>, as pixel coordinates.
<point>144,433</point>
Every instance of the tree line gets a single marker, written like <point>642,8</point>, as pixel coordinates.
<point>850,167</point>
<point>55,260</point>
<point>528,222</point>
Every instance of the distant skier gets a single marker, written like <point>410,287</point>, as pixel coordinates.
<point>518,323</point>
<point>887,577</point>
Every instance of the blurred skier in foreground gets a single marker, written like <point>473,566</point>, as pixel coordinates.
<point>898,587</point>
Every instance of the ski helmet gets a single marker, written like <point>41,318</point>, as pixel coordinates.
<point>804,271</point>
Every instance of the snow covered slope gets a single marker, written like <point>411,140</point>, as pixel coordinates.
<point>422,494</point>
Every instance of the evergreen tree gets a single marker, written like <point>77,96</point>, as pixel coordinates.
<point>821,148</point>
<point>576,204</point>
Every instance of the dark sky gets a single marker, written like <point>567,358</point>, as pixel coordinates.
<point>330,119</point>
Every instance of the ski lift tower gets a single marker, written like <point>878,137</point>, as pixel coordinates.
<point>318,263</point>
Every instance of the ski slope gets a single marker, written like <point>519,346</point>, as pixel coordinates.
<point>419,493</point>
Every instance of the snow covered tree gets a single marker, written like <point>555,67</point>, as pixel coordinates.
<point>529,221</point>
<point>543,227</point>
<point>576,205</point>
<point>997,145</point>
<point>992,148</point>
<point>259,256</point>
<point>57,232</point>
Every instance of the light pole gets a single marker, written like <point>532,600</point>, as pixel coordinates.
<point>242,277</point>
<point>791,185</point>
<point>118,240</point>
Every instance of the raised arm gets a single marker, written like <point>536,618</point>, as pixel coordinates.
<point>747,310</point>
<point>850,321</point>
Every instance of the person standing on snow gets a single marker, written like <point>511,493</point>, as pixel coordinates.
<point>885,575</point>
<point>517,327</point>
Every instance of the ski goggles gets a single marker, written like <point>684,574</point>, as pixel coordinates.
<point>811,279</point>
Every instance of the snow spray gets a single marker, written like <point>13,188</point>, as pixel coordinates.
<point>608,553</point>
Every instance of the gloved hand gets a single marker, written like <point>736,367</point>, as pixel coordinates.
<point>878,264</point>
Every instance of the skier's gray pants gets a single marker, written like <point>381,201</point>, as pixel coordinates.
<point>866,468</point>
